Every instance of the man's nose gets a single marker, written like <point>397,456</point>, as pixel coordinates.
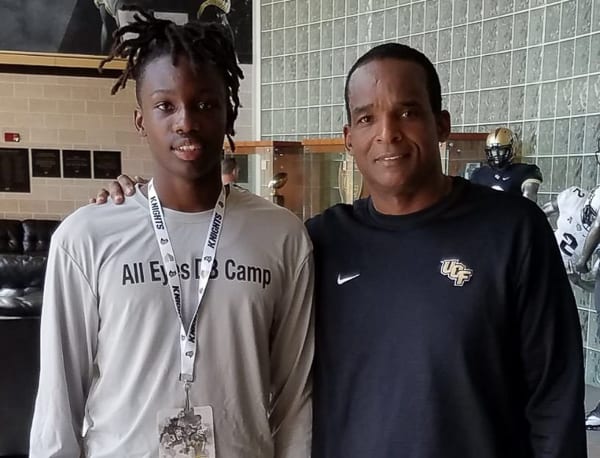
<point>389,130</point>
<point>185,121</point>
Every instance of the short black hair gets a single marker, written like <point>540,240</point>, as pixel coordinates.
<point>400,52</point>
<point>200,42</point>
<point>228,165</point>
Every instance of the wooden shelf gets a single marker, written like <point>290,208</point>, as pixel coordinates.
<point>324,145</point>
<point>467,136</point>
<point>254,147</point>
<point>57,60</point>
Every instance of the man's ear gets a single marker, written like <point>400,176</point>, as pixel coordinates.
<point>443,125</point>
<point>348,138</point>
<point>138,121</point>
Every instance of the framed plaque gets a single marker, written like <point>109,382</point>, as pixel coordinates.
<point>107,164</point>
<point>78,33</point>
<point>76,164</point>
<point>14,170</point>
<point>45,163</point>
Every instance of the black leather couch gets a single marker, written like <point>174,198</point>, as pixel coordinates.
<point>23,254</point>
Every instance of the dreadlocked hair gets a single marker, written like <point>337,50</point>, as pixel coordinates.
<point>200,42</point>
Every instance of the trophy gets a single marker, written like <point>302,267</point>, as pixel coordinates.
<point>277,182</point>
<point>350,182</point>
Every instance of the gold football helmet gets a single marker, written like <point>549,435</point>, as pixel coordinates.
<point>499,147</point>
<point>223,5</point>
<point>216,11</point>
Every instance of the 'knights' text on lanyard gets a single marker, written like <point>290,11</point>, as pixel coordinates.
<point>188,339</point>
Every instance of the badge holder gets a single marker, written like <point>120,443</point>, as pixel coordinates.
<point>187,432</point>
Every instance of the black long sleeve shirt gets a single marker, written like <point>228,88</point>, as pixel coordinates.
<point>447,333</point>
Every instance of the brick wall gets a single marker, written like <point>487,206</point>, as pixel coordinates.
<point>78,113</point>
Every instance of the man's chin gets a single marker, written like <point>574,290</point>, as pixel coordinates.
<point>202,169</point>
<point>393,181</point>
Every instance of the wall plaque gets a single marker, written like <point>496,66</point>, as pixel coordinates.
<point>14,170</point>
<point>107,164</point>
<point>45,163</point>
<point>77,164</point>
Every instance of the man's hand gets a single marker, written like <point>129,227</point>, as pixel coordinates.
<point>123,186</point>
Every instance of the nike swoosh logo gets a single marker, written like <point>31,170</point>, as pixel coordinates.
<point>346,278</point>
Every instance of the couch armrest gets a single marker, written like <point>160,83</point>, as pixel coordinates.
<point>11,236</point>
<point>37,234</point>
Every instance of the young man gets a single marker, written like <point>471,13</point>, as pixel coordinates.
<point>181,319</point>
<point>445,323</point>
<point>230,172</point>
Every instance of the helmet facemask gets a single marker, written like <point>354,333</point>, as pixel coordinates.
<point>499,147</point>
<point>499,156</point>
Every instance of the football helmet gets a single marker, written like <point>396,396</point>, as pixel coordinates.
<point>499,147</point>
<point>216,11</point>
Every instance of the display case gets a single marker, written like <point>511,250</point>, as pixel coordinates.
<point>309,176</point>
<point>273,170</point>
<point>462,153</point>
<point>332,176</point>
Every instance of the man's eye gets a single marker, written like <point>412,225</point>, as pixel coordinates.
<point>364,119</point>
<point>205,105</point>
<point>164,106</point>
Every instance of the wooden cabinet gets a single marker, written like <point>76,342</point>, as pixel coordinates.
<point>463,152</point>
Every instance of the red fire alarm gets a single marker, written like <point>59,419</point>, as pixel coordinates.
<point>12,137</point>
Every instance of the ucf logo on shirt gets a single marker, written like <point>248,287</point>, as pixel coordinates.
<point>456,271</point>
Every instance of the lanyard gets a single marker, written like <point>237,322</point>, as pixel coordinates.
<point>187,339</point>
